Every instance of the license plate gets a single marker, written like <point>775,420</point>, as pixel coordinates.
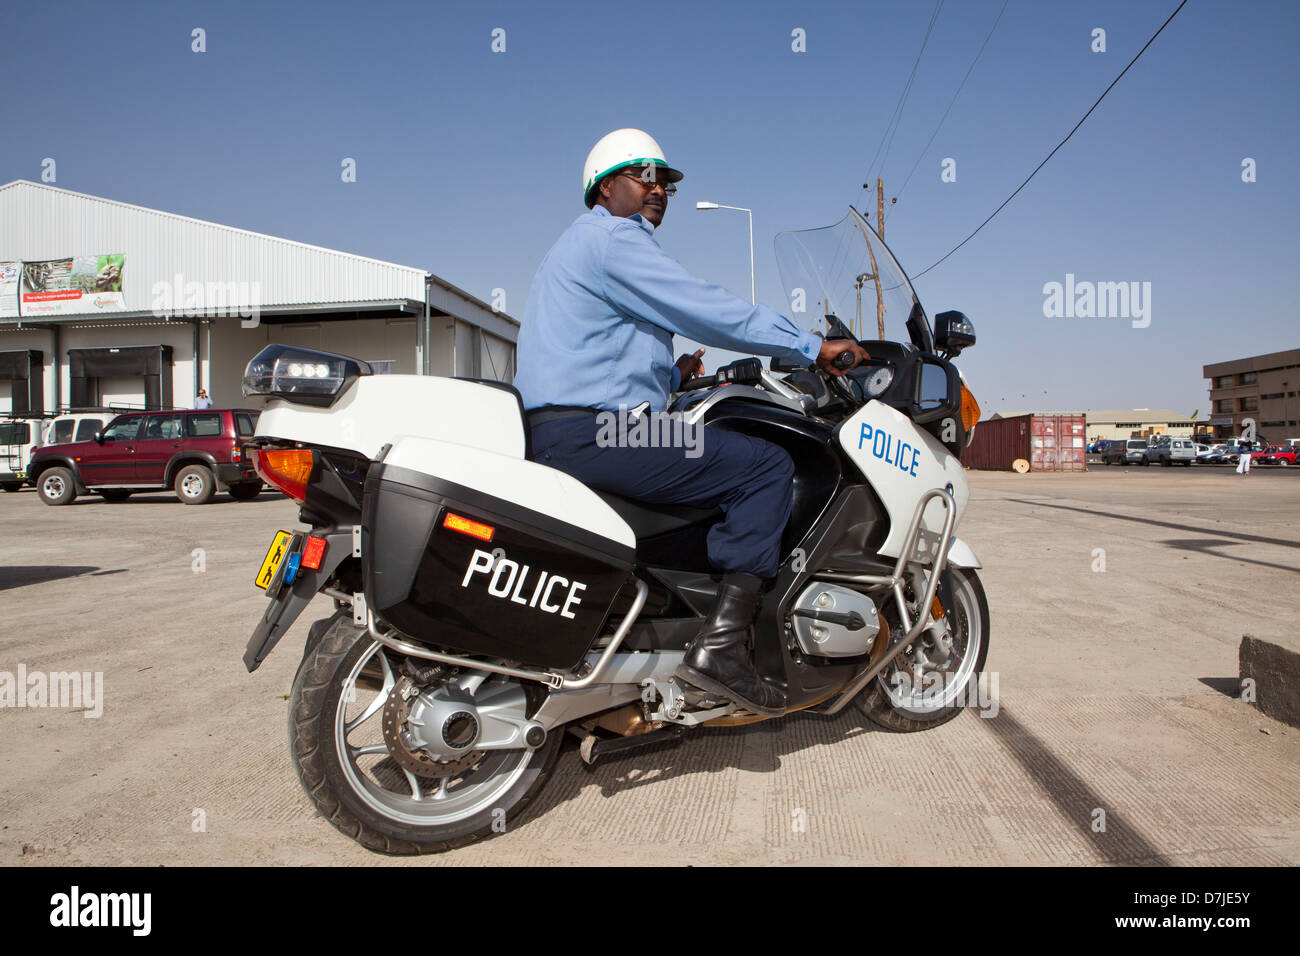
<point>275,555</point>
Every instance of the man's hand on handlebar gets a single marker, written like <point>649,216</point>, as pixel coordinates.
<point>691,366</point>
<point>832,359</point>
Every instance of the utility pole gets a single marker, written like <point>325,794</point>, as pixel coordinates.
<point>880,210</point>
<point>875,272</point>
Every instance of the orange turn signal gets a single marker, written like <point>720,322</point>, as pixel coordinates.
<point>970,409</point>
<point>474,529</point>
<point>288,469</point>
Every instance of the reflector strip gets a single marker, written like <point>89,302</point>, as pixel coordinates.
<point>313,552</point>
<point>474,529</point>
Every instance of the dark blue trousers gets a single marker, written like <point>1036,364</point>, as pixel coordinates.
<point>748,478</point>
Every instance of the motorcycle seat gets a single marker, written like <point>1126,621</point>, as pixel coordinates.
<point>650,520</point>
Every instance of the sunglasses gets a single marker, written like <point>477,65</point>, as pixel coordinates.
<point>670,189</point>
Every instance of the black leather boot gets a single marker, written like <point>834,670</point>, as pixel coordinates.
<point>719,660</point>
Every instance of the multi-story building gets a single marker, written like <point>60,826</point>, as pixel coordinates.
<point>1262,388</point>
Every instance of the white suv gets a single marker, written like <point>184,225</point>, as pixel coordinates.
<point>18,438</point>
<point>1181,451</point>
<point>76,427</point>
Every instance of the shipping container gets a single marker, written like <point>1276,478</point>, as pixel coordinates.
<point>1047,442</point>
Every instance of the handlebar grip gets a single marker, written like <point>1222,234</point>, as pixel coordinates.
<point>845,359</point>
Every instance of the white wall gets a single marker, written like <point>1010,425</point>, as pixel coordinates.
<point>464,349</point>
<point>367,339</point>
<point>441,338</point>
<point>497,360</point>
<point>226,348</point>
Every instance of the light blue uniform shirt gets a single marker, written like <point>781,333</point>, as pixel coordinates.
<point>603,308</point>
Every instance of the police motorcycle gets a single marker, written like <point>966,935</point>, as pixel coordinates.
<point>485,604</point>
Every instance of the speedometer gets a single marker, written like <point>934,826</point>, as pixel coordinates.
<point>878,381</point>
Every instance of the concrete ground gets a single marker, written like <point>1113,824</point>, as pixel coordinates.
<point>1114,703</point>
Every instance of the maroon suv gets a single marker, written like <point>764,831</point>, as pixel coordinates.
<point>195,452</point>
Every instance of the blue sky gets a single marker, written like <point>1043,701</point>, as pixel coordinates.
<point>468,161</point>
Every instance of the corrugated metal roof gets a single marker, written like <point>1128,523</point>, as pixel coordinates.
<point>39,221</point>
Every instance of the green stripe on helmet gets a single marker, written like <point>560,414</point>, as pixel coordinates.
<point>595,180</point>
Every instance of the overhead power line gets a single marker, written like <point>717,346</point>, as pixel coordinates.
<point>897,116</point>
<point>1057,147</point>
<point>970,69</point>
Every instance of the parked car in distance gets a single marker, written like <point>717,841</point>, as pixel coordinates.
<point>1126,451</point>
<point>196,452</point>
<point>1283,455</point>
<point>1172,451</point>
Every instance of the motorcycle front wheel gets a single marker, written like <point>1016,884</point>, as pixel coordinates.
<point>924,687</point>
<point>337,743</point>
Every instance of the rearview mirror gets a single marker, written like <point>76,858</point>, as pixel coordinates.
<point>934,387</point>
<point>99,438</point>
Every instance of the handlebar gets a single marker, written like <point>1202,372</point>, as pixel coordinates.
<point>845,360</point>
<point>749,371</point>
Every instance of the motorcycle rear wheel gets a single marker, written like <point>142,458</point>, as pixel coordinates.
<point>380,805</point>
<point>895,707</point>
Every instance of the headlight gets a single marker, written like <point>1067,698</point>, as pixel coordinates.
<point>301,375</point>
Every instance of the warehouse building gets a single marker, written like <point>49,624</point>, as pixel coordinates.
<point>107,304</point>
<point>1125,422</point>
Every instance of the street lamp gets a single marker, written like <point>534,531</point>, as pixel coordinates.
<point>718,205</point>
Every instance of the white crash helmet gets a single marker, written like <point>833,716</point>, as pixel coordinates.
<point>619,150</point>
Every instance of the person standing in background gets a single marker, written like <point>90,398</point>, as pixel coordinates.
<point>1243,460</point>
<point>203,401</point>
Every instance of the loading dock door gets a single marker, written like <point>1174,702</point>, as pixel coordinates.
<point>88,369</point>
<point>23,371</point>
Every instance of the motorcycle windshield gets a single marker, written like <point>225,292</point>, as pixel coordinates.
<point>847,271</point>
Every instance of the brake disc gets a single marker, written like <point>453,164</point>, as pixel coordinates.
<point>397,737</point>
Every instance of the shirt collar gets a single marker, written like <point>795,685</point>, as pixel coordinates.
<point>636,217</point>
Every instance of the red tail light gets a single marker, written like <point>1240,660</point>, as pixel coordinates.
<point>313,552</point>
<point>287,469</point>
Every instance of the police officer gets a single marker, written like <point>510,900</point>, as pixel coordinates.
<point>597,336</point>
